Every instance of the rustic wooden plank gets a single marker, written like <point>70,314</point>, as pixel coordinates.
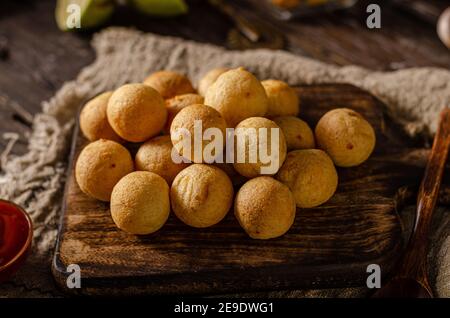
<point>330,245</point>
<point>343,38</point>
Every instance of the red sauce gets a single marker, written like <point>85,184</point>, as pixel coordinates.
<point>14,231</point>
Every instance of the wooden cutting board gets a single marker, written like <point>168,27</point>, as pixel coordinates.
<point>328,246</point>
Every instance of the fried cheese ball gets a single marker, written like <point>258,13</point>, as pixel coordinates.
<point>248,142</point>
<point>201,195</point>
<point>237,95</point>
<point>93,121</point>
<point>186,119</point>
<point>140,203</point>
<point>265,208</point>
<point>155,155</point>
<point>177,103</point>
<point>283,99</point>
<point>311,176</point>
<point>297,132</point>
<point>209,78</point>
<point>346,136</point>
<point>100,165</point>
<point>169,83</point>
<point>136,112</point>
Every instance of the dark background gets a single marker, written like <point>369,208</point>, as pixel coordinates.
<point>36,58</point>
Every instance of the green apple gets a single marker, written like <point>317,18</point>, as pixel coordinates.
<point>162,8</point>
<point>82,14</point>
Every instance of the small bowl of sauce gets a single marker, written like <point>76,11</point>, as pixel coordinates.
<point>16,235</point>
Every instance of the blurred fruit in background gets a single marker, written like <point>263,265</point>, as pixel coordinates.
<point>94,13</point>
<point>160,7</point>
<point>287,4</point>
<point>443,27</point>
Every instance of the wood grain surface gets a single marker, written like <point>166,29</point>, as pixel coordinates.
<point>330,245</point>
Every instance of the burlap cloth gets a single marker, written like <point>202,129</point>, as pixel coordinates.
<point>36,179</point>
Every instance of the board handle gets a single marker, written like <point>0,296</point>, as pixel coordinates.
<point>414,263</point>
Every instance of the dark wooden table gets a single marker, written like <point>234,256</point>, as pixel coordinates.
<point>36,58</point>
